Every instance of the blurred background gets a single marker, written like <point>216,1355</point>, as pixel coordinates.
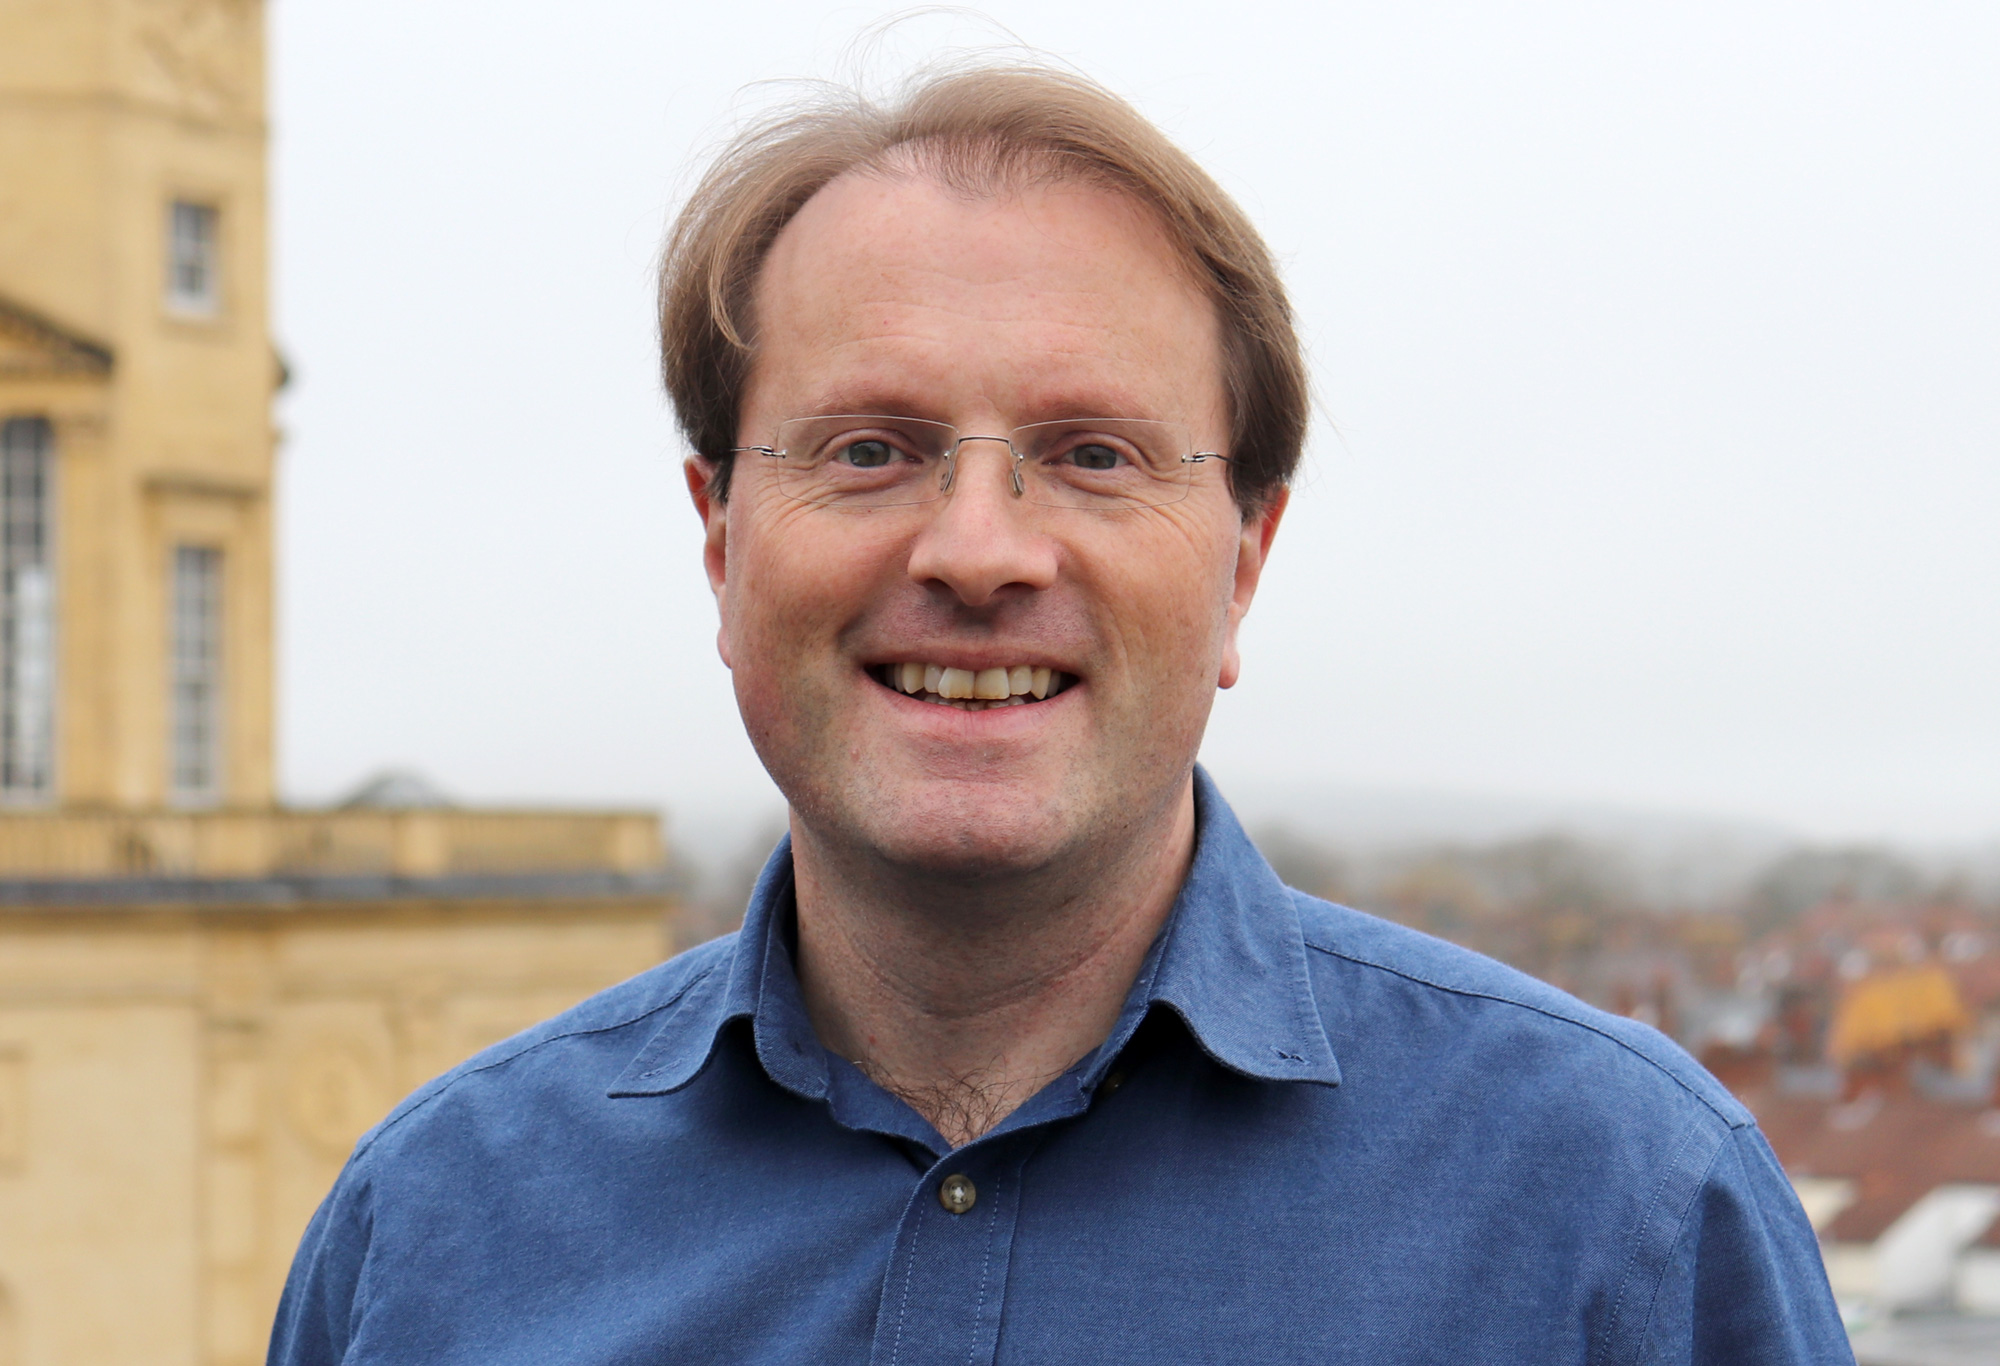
<point>1636,619</point>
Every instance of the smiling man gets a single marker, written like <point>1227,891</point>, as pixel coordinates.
<point>1023,1054</point>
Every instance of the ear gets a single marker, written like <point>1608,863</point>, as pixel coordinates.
<point>1252,550</point>
<point>714,513</point>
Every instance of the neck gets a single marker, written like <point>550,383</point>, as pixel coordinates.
<point>966,997</point>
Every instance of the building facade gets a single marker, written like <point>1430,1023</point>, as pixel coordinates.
<point>204,997</point>
<point>136,375</point>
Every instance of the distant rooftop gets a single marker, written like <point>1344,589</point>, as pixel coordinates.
<point>1894,1147</point>
<point>396,789</point>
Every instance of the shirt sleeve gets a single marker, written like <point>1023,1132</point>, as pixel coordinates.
<point>316,1313</point>
<point>1745,1285</point>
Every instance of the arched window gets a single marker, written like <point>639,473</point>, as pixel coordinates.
<point>27,611</point>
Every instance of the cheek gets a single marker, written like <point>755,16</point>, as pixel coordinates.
<point>779,632</point>
<point>1168,610</point>
<point>797,580</point>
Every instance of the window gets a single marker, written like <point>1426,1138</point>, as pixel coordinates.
<point>193,280</point>
<point>27,613</point>
<point>197,673</point>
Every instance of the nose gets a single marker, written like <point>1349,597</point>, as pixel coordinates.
<point>983,541</point>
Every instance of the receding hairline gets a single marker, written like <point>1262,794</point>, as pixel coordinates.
<point>822,242</point>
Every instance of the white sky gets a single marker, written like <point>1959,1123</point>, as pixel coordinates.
<point>1658,349</point>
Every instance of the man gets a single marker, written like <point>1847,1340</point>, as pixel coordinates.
<point>1023,1054</point>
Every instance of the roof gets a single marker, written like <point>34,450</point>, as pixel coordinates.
<point>1890,1008</point>
<point>397,789</point>
<point>32,345</point>
<point>1895,1147</point>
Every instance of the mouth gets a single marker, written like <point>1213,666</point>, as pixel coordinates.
<point>1020,685</point>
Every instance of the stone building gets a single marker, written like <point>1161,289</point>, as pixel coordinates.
<point>204,997</point>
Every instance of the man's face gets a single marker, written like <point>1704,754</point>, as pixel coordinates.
<point>889,295</point>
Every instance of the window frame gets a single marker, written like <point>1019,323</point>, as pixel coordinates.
<point>41,619</point>
<point>204,252</point>
<point>195,673</point>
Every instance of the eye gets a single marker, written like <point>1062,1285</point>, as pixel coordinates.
<point>1094,456</point>
<point>866,454</point>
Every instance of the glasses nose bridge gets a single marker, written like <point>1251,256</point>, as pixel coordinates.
<point>1013,470</point>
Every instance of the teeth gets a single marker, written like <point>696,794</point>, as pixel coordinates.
<point>974,690</point>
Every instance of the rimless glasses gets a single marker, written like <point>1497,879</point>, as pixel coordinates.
<point>1103,464</point>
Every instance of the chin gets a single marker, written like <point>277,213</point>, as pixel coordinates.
<point>972,830</point>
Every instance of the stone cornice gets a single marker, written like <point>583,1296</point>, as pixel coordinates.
<point>35,347</point>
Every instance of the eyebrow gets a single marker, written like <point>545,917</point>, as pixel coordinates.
<point>882,401</point>
<point>897,401</point>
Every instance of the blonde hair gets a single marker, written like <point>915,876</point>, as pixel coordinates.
<point>977,130</point>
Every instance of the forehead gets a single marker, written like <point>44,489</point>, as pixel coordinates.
<point>889,289</point>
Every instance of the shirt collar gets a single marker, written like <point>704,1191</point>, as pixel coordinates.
<point>1231,964</point>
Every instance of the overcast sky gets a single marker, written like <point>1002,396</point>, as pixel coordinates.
<point>1657,350</point>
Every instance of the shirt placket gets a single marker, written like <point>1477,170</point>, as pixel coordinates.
<point>946,1285</point>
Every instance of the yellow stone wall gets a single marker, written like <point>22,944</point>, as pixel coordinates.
<point>179,1087</point>
<point>109,111</point>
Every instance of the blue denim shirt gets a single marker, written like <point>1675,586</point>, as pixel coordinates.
<point>1312,1136</point>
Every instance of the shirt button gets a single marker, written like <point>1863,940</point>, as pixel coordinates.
<point>957,1193</point>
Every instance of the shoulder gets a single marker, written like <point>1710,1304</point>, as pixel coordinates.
<point>1383,984</point>
<point>579,1052</point>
